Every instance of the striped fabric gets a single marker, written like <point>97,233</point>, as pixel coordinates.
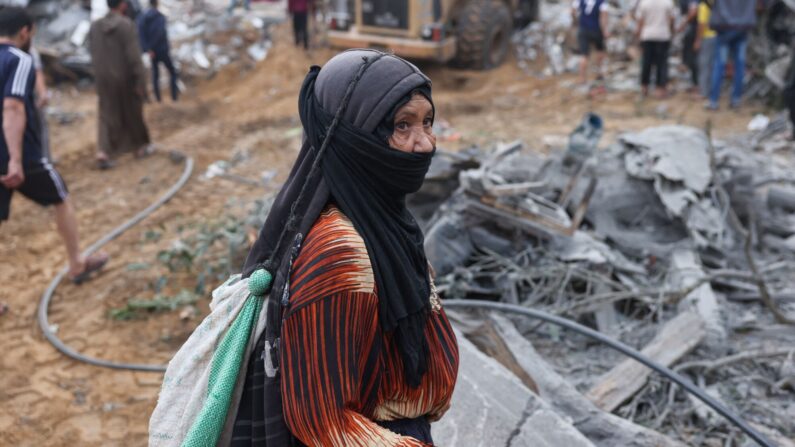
<point>340,372</point>
<point>22,73</point>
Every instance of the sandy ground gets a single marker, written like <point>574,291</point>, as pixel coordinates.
<point>48,399</point>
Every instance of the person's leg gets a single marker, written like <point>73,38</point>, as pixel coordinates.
<point>301,38</point>
<point>721,55</point>
<point>599,62</point>
<point>156,77</point>
<point>104,134</point>
<point>173,76</point>
<point>296,30</point>
<point>305,30</point>
<point>662,66</point>
<point>67,227</point>
<point>44,185</point>
<point>738,49</point>
<point>645,67</point>
<point>689,55</point>
<point>601,52</point>
<point>585,49</point>
<point>706,59</point>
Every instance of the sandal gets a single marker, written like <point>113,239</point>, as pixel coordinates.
<point>92,264</point>
<point>103,164</point>
<point>146,151</point>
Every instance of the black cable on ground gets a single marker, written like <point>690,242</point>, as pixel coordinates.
<point>46,298</point>
<point>621,347</point>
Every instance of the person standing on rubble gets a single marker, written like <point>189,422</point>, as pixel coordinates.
<point>732,20</point>
<point>154,41</point>
<point>121,85</point>
<point>300,12</point>
<point>689,25</point>
<point>705,47</point>
<point>591,17</point>
<point>23,169</point>
<point>655,29</point>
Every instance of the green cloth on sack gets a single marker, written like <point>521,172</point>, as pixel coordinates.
<point>224,369</point>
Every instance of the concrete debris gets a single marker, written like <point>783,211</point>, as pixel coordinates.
<point>204,38</point>
<point>647,240</point>
<point>493,407</point>
<point>600,427</point>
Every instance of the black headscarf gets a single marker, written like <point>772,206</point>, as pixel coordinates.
<point>368,180</point>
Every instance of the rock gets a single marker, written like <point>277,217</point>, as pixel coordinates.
<point>492,407</point>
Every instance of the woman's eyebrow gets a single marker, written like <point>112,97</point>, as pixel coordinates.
<point>406,113</point>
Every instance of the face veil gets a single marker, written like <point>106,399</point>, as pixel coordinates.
<point>345,109</point>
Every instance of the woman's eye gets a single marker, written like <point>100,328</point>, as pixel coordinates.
<point>402,125</point>
<point>428,122</point>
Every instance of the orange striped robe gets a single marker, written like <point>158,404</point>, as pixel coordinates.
<point>340,372</point>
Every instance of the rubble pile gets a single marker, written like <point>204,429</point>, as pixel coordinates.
<point>204,36</point>
<point>679,245</point>
<point>548,47</point>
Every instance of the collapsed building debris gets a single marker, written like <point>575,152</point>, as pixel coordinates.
<point>204,37</point>
<point>648,241</point>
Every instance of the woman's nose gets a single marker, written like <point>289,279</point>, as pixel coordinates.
<point>423,142</point>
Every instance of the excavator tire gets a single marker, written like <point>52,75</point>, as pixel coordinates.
<point>483,30</point>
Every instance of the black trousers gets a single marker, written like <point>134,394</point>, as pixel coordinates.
<point>164,59</point>
<point>300,29</point>
<point>689,54</point>
<point>655,56</point>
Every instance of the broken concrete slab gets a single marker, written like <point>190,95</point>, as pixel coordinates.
<point>677,153</point>
<point>601,428</point>
<point>491,406</point>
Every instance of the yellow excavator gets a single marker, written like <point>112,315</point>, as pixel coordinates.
<point>472,34</point>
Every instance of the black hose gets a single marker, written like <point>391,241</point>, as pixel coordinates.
<point>46,298</point>
<point>621,347</point>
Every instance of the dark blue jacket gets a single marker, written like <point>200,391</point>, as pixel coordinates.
<point>152,32</point>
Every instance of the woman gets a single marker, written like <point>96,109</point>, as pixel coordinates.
<point>359,350</point>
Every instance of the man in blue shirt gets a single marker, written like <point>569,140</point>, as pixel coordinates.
<point>154,41</point>
<point>592,27</point>
<point>22,167</point>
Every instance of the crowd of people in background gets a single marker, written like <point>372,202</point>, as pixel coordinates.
<point>714,33</point>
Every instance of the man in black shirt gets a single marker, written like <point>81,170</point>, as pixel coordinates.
<point>23,169</point>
